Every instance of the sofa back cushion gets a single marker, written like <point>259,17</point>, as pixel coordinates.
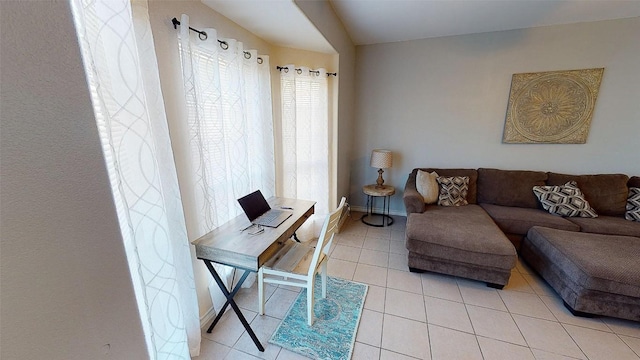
<point>607,193</point>
<point>634,181</point>
<point>509,187</point>
<point>471,173</point>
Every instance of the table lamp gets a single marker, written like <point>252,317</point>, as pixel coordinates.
<point>381,159</point>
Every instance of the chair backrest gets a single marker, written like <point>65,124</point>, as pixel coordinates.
<point>326,236</point>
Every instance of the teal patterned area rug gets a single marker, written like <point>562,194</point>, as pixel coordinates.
<point>336,321</point>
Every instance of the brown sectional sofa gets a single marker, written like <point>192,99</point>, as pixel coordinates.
<point>481,240</point>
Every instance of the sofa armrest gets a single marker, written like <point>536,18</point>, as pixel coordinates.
<point>413,201</point>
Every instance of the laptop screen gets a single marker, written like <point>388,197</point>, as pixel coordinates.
<point>254,205</point>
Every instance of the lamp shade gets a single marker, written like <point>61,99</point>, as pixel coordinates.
<point>381,159</point>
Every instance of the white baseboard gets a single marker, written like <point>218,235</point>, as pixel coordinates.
<point>378,211</point>
<point>346,214</point>
<point>207,318</point>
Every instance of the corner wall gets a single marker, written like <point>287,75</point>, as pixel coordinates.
<point>66,288</point>
<point>442,102</point>
<point>325,20</point>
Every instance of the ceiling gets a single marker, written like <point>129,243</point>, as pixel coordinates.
<point>282,23</point>
<point>279,22</point>
<point>379,21</point>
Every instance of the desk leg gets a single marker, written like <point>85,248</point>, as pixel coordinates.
<point>229,296</point>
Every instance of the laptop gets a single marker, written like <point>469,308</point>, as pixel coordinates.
<point>259,212</point>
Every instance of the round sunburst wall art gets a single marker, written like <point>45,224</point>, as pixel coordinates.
<point>551,107</point>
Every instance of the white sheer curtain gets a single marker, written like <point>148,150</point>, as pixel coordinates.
<point>305,134</point>
<point>120,61</point>
<point>228,100</point>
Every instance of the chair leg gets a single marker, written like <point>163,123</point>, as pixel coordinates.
<point>260,293</point>
<point>310,305</point>
<point>324,279</point>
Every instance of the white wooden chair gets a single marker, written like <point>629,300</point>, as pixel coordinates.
<point>297,264</point>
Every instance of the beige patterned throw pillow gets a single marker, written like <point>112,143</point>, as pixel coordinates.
<point>427,186</point>
<point>564,200</point>
<point>453,190</point>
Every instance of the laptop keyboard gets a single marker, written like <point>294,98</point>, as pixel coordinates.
<point>270,216</point>
<point>273,218</point>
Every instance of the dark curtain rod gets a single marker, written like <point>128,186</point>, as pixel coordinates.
<point>317,72</point>
<point>203,36</point>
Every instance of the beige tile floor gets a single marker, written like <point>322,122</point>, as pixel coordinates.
<point>431,316</point>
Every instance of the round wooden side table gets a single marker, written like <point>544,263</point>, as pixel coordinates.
<point>372,192</point>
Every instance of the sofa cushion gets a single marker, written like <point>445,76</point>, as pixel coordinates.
<point>465,234</point>
<point>427,186</point>
<point>509,187</point>
<point>564,200</point>
<point>611,225</point>
<point>607,193</point>
<point>453,190</point>
<point>633,205</point>
<point>471,173</point>
<point>634,181</point>
<point>606,263</point>
<point>516,220</point>
<point>413,201</point>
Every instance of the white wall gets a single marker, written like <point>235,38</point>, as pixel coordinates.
<point>66,288</point>
<point>442,102</point>
<point>325,20</point>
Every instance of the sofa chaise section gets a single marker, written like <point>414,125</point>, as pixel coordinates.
<point>461,241</point>
<point>593,273</point>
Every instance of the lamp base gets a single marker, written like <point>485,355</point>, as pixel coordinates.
<point>380,181</point>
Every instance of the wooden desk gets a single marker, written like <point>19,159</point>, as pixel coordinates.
<point>229,245</point>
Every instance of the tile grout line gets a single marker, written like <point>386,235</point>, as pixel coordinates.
<point>466,310</point>
<point>426,320</point>
<point>558,322</point>
<point>574,340</point>
<point>552,314</point>
<point>563,323</point>
<point>516,324</point>
<point>430,342</point>
<point>613,333</point>
<point>637,353</point>
<point>382,327</point>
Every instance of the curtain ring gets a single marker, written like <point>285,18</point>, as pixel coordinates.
<point>299,71</point>
<point>203,35</point>
<point>260,61</point>
<point>223,44</point>
<point>286,70</point>
<point>247,55</point>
